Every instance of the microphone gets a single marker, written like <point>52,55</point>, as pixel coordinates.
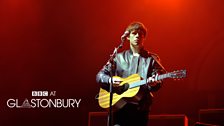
<point>124,36</point>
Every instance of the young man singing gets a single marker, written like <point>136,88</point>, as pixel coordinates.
<point>139,61</point>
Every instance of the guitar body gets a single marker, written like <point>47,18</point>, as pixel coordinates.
<point>132,92</point>
<point>119,100</point>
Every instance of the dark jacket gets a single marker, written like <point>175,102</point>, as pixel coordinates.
<point>126,64</point>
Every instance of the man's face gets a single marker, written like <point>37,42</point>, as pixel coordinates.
<point>136,38</point>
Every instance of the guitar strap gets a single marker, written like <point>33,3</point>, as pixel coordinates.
<point>158,62</point>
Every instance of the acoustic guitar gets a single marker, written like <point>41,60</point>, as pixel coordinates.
<point>130,88</point>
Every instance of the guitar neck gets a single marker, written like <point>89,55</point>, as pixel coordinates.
<point>142,82</point>
<point>163,76</point>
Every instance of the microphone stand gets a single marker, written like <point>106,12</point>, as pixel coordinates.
<point>112,71</point>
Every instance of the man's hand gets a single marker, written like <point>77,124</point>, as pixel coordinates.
<point>116,81</point>
<point>154,79</point>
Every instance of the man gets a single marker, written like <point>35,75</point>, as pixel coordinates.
<point>136,60</point>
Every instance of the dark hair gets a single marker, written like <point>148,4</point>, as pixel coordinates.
<point>138,26</point>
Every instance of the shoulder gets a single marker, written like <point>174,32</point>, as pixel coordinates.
<point>123,56</point>
<point>146,53</point>
<point>154,55</point>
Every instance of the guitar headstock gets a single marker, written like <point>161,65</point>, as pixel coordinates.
<point>178,74</point>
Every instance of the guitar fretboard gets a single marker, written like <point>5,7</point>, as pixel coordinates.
<point>142,82</point>
<point>163,76</point>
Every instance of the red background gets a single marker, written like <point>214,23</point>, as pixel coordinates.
<point>61,45</point>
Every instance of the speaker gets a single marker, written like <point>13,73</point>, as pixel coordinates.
<point>212,116</point>
<point>100,119</point>
<point>168,120</point>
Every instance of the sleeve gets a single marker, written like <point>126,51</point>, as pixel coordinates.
<point>157,68</point>
<point>103,75</point>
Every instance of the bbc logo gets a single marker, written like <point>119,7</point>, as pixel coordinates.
<point>39,93</point>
